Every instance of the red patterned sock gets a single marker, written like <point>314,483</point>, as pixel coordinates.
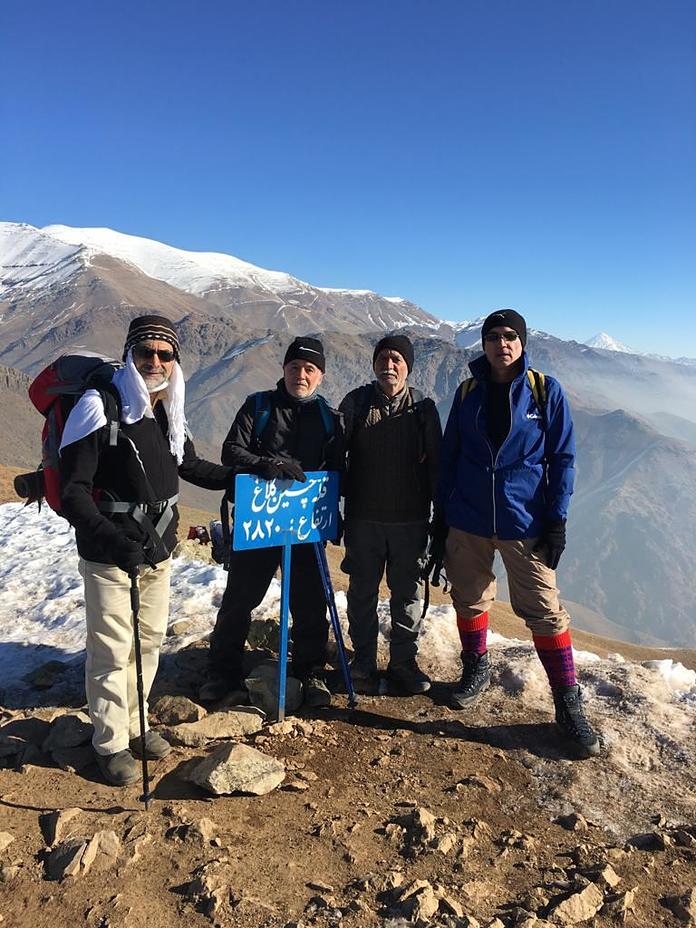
<point>472,633</point>
<point>556,654</point>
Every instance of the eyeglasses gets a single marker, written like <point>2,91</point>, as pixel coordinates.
<point>496,336</point>
<point>144,353</point>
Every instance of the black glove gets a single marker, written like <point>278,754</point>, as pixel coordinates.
<point>280,469</point>
<point>551,543</point>
<point>126,553</point>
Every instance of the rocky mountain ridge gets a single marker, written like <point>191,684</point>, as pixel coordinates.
<point>640,505</point>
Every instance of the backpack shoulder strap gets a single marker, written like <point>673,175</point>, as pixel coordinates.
<point>363,405</point>
<point>111,399</point>
<point>326,417</point>
<point>262,413</point>
<point>537,382</point>
<point>466,387</point>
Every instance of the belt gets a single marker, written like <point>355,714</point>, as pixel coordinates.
<point>143,513</point>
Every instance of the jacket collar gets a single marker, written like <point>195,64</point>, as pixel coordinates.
<point>287,400</point>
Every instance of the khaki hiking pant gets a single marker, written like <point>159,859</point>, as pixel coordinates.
<point>110,677</point>
<point>533,591</point>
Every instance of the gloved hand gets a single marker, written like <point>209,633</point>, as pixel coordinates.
<point>280,469</point>
<point>437,531</point>
<point>126,553</point>
<point>551,543</point>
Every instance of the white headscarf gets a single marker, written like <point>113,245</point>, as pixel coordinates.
<point>87,415</point>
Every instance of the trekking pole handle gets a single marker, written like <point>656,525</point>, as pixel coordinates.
<point>134,574</point>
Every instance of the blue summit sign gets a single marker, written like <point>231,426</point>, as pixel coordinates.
<point>271,513</point>
<point>283,513</point>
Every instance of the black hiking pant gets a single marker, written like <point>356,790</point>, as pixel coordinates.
<point>249,577</point>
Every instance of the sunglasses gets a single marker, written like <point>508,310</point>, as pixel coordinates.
<point>496,336</point>
<point>143,353</point>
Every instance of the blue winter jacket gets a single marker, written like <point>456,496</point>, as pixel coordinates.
<point>528,482</point>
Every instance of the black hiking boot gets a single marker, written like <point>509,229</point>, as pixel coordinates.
<point>572,722</point>
<point>316,693</point>
<point>409,677</point>
<point>364,676</point>
<point>217,686</point>
<point>119,769</point>
<point>476,677</point>
<point>155,746</point>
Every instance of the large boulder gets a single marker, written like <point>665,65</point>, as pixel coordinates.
<point>236,768</point>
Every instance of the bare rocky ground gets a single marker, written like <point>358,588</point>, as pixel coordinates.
<point>400,812</point>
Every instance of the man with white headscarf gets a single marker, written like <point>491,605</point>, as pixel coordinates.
<point>120,495</point>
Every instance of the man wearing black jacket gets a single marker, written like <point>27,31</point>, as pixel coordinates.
<point>393,439</point>
<point>295,438</point>
<point>120,494</point>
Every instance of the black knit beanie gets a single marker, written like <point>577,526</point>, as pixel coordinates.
<point>152,328</point>
<point>400,343</point>
<point>505,317</point>
<point>306,349</point>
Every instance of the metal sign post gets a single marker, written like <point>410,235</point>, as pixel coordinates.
<point>269,513</point>
<point>284,621</point>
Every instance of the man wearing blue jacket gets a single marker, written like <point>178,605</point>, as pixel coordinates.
<point>507,467</point>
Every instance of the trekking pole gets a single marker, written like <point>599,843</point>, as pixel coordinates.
<point>335,624</point>
<point>135,606</point>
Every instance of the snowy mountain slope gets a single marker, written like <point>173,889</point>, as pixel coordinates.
<point>225,280</point>
<point>194,272</point>
<point>39,263</point>
<point>33,262</point>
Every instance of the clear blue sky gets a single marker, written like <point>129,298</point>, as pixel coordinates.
<point>467,155</point>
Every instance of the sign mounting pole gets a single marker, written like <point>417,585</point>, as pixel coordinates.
<point>284,621</point>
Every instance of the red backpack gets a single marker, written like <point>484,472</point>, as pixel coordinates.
<point>54,392</point>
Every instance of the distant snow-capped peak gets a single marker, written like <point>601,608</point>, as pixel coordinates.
<point>607,343</point>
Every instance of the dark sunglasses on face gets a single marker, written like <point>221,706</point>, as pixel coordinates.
<point>496,336</point>
<point>143,353</point>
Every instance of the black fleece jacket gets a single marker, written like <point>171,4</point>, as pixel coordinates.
<point>91,467</point>
<point>294,430</point>
<point>393,454</point>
